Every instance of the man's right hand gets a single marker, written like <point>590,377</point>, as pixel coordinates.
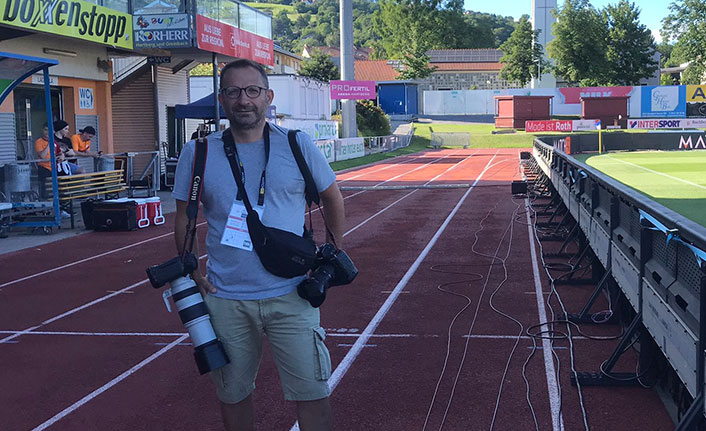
<point>203,283</point>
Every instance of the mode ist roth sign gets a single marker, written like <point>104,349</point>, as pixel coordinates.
<point>355,90</point>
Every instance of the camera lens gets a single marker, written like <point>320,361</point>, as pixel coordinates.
<point>208,351</point>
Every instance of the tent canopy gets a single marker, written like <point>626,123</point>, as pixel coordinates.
<point>202,109</point>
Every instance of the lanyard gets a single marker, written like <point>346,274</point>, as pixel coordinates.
<point>261,190</point>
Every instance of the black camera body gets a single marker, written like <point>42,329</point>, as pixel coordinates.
<point>333,267</point>
<point>172,269</point>
<point>208,350</point>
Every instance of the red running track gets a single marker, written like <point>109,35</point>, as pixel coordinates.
<point>430,336</point>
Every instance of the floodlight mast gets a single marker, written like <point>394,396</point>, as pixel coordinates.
<point>350,128</point>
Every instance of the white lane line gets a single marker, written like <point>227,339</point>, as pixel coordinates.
<point>72,311</point>
<point>552,388</point>
<point>108,385</point>
<point>403,197</point>
<point>101,334</point>
<point>353,353</point>
<point>657,172</point>
<point>362,174</point>
<point>78,262</point>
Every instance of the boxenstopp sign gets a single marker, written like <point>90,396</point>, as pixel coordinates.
<point>75,18</point>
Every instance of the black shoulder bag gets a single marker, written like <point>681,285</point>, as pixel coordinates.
<point>281,252</point>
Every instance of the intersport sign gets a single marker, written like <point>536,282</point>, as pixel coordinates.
<point>75,18</point>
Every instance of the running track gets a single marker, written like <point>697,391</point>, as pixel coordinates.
<point>430,336</point>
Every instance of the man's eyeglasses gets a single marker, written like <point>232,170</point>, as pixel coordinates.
<point>252,91</point>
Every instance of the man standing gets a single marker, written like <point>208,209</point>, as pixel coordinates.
<point>81,143</point>
<point>244,299</point>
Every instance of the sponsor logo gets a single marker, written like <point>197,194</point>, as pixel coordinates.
<point>686,144</point>
<point>70,18</point>
<point>657,124</point>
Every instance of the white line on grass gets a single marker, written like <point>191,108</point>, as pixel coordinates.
<point>108,385</point>
<point>552,389</point>
<point>353,353</point>
<point>658,173</point>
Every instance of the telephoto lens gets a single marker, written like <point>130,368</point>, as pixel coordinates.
<point>208,351</point>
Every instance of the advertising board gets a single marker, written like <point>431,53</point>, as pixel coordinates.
<point>162,31</point>
<point>317,129</point>
<point>663,101</point>
<point>548,126</point>
<point>221,38</point>
<point>76,18</point>
<point>352,90</point>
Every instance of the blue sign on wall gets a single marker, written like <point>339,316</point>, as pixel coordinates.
<point>663,101</point>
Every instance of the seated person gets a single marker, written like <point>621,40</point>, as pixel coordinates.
<point>41,147</point>
<point>81,143</point>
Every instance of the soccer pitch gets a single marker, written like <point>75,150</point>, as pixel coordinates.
<point>675,179</point>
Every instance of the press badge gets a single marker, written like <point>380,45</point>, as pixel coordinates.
<point>236,232</point>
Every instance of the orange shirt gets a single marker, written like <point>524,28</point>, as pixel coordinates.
<point>40,145</point>
<point>80,145</point>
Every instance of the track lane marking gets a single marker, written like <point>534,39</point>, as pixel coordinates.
<point>68,265</point>
<point>552,388</point>
<point>78,262</point>
<point>109,385</point>
<point>353,353</point>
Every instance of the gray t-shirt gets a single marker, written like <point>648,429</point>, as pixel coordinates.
<point>237,273</point>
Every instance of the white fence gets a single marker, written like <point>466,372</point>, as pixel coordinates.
<point>566,101</point>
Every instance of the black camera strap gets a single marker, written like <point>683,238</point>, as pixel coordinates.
<point>192,206</point>
<point>310,191</point>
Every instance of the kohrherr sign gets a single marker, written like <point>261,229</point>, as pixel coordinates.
<point>353,90</point>
<point>162,31</point>
<point>75,18</point>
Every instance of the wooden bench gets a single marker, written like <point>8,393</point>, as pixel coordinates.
<point>108,184</point>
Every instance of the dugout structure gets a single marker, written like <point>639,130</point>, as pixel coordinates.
<point>22,203</point>
<point>655,256</point>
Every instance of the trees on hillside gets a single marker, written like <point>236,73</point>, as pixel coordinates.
<point>522,54</point>
<point>685,25</point>
<point>608,47</point>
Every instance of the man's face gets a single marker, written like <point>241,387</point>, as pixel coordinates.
<point>65,131</point>
<point>243,111</point>
<point>45,133</point>
<point>85,136</point>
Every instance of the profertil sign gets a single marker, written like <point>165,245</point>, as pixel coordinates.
<point>74,18</point>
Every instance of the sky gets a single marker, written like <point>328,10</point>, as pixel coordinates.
<point>651,11</point>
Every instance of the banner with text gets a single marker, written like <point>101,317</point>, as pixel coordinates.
<point>668,123</point>
<point>561,125</point>
<point>162,31</point>
<point>663,101</point>
<point>221,38</point>
<point>75,18</point>
<point>349,148</point>
<point>352,90</point>
<point>317,129</point>
<point>573,95</point>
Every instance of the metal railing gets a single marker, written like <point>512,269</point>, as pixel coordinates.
<point>381,144</point>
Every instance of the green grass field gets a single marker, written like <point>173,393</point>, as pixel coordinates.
<point>676,179</point>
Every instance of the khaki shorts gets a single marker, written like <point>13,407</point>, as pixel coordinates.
<point>296,340</point>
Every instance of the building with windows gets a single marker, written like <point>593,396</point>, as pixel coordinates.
<point>123,70</point>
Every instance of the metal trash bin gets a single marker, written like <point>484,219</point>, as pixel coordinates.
<point>17,179</point>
